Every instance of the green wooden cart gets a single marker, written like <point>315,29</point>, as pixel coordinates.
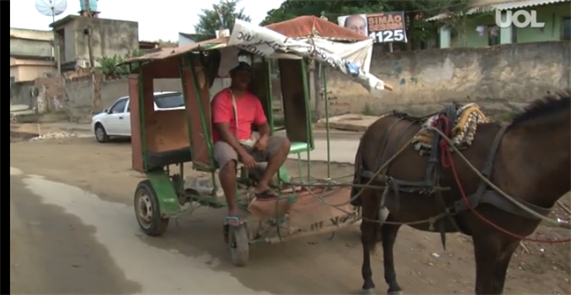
<point>162,141</point>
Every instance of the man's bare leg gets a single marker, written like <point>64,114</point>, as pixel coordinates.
<point>274,165</point>
<point>227,176</point>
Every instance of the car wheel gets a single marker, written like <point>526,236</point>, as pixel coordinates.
<point>100,133</point>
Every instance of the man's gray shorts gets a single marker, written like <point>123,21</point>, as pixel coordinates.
<point>224,153</point>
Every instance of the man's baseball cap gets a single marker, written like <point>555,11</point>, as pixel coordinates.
<point>242,66</point>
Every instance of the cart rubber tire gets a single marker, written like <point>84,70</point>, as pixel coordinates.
<point>239,245</point>
<point>147,203</point>
<point>103,137</point>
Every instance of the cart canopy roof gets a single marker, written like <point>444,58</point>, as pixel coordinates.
<point>309,25</point>
<point>300,27</point>
<point>352,59</point>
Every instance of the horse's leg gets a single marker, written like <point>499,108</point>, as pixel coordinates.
<point>487,250</point>
<point>368,241</point>
<point>389,236</point>
<point>502,266</point>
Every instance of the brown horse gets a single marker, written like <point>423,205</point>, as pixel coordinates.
<point>529,159</point>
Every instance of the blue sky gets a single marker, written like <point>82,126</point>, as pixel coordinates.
<point>158,19</point>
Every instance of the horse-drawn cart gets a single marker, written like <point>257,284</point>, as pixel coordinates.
<point>164,139</point>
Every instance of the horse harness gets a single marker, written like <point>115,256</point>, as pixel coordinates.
<point>431,184</point>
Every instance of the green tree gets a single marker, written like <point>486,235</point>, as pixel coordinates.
<point>333,9</point>
<point>209,21</point>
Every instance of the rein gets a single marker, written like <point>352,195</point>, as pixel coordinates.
<point>445,142</point>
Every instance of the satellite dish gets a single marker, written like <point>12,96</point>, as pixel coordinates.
<point>51,7</point>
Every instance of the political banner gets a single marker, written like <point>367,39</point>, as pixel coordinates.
<point>351,59</point>
<point>382,27</point>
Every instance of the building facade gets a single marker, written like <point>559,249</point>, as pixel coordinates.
<point>481,29</point>
<point>107,37</point>
<point>31,54</point>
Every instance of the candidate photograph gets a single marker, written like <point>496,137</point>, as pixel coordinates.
<point>356,23</point>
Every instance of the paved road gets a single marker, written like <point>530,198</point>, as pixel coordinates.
<point>65,240</point>
<point>340,150</point>
<point>97,253</point>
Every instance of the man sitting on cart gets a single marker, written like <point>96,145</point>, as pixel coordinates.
<point>234,110</point>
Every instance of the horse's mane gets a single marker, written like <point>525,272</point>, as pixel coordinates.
<point>550,104</point>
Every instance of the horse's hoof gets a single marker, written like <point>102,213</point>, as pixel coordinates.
<point>368,292</point>
<point>394,293</point>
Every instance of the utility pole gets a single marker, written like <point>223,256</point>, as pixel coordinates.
<point>56,46</point>
<point>88,33</point>
<point>95,83</point>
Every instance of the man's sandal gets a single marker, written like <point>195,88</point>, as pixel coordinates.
<point>233,221</point>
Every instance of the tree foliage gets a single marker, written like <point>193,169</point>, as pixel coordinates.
<point>209,21</point>
<point>109,65</point>
<point>415,12</point>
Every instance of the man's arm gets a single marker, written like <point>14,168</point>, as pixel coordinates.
<point>228,137</point>
<point>221,116</point>
<point>261,121</point>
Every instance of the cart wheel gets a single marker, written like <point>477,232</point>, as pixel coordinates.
<point>239,245</point>
<point>148,211</point>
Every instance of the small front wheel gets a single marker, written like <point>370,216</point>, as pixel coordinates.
<point>148,211</point>
<point>239,245</point>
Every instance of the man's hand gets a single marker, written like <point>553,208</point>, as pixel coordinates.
<point>262,143</point>
<point>248,160</point>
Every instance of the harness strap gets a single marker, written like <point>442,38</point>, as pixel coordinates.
<point>485,195</point>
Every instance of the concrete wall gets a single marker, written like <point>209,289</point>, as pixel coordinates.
<point>35,44</point>
<point>66,41</point>
<point>501,78</point>
<point>25,47</point>
<point>109,37</point>
<point>78,93</point>
<point>31,71</point>
<point>497,78</point>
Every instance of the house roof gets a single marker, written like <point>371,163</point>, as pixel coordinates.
<point>63,21</point>
<point>309,25</point>
<point>148,44</point>
<point>500,6</point>
<point>35,35</point>
<point>163,53</point>
<point>195,36</point>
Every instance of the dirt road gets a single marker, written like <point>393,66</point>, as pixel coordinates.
<point>73,231</point>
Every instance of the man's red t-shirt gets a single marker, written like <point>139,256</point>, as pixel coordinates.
<point>249,111</point>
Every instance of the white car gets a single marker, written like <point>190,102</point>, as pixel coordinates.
<point>116,120</point>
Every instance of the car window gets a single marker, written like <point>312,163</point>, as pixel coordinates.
<point>171,100</point>
<point>119,106</point>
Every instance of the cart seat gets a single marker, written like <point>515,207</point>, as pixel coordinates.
<point>299,147</point>
<point>160,159</point>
